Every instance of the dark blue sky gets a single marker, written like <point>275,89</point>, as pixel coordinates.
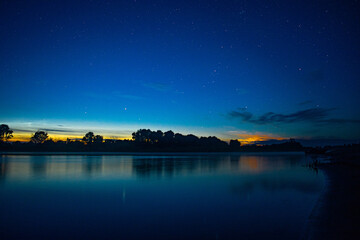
<point>234,69</point>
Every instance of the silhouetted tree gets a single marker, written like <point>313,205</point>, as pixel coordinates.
<point>191,139</point>
<point>136,136</point>
<point>179,138</point>
<point>146,140</point>
<point>98,139</point>
<point>142,135</point>
<point>155,137</point>
<point>39,137</point>
<point>169,136</point>
<point>5,132</point>
<point>235,144</point>
<point>89,138</point>
<point>178,141</point>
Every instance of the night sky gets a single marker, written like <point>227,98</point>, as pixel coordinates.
<point>251,70</point>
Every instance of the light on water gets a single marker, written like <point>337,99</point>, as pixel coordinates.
<point>213,196</point>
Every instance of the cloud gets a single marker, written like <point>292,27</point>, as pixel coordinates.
<point>119,94</point>
<point>56,130</point>
<point>157,86</point>
<point>113,96</point>
<point>23,130</point>
<point>312,115</point>
<point>305,103</point>
<point>132,97</point>
<point>43,129</point>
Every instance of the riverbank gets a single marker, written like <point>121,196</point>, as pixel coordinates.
<point>143,153</point>
<point>337,212</point>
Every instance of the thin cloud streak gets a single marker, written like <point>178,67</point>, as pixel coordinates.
<point>157,86</point>
<point>312,115</point>
<point>305,103</point>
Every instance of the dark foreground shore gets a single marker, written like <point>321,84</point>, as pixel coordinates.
<point>337,212</point>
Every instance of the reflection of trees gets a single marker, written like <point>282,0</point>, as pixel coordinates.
<point>92,165</point>
<point>158,167</point>
<point>234,161</point>
<point>3,169</point>
<point>169,166</point>
<point>38,165</point>
<point>211,163</point>
<point>148,167</point>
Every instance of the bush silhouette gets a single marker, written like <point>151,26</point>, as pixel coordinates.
<point>5,132</point>
<point>39,137</point>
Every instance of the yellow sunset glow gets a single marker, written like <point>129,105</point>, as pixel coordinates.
<point>25,137</point>
<point>251,139</point>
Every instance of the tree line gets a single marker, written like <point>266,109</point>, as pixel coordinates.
<point>142,140</point>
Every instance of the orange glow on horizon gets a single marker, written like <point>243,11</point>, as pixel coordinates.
<point>246,139</point>
<point>25,137</point>
<point>243,137</point>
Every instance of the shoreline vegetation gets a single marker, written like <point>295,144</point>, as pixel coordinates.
<point>147,141</point>
<point>143,140</point>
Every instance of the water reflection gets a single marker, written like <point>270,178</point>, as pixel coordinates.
<point>193,195</point>
<point>3,170</point>
<point>275,171</point>
<point>20,167</point>
<point>278,182</point>
<point>91,165</point>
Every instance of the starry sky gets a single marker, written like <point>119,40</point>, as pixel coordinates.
<point>250,70</point>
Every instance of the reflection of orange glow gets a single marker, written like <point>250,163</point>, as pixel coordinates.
<point>252,163</point>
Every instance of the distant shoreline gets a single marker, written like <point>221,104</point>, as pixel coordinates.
<point>143,153</point>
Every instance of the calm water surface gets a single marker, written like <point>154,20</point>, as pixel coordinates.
<point>187,196</point>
